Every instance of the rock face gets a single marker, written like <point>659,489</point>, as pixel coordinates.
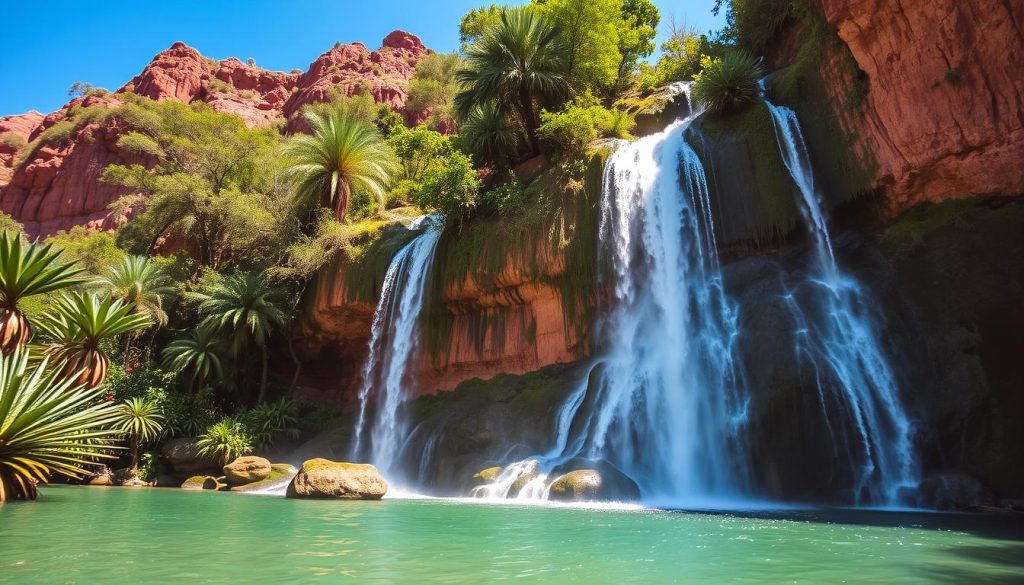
<point>320,478</point>
<point>942,117</point>
<point>183,456</point>
<point>247,470</point>
<point>58,186</point>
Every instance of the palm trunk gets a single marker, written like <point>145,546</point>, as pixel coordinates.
<point>263,376</point>
<point>341,201</point>
<point>197,388</point>
<point>135,454</point>
<point>529,119</point>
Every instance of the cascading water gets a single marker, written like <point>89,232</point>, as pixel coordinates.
<point>668,398</point>
<point>393,341</point>
<point>851,370</point>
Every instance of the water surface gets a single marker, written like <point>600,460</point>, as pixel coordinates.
<point>125,536</point>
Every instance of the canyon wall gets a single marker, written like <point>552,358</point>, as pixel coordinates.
<point>943,112</point>
<point>53,183</point>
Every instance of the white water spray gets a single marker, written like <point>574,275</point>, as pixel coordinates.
<point>393,342</point>
<point>843,342</point>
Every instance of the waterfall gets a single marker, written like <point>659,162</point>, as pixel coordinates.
<point>667,399</point>
<point>393,341</point>
<point>842,341</point>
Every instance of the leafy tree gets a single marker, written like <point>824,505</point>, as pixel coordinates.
<point>475,22</point>
<point>78,327</point>
<point>95,251</point>
<point>522,61</point>
<point>214,183</point>
<point>247,310</point>
<point>432,90</point>
<point>48,424</point>
<point>590,31</point>
<point>639,26</point>
<point>225,441</point>
<point>140,282</point>
<point>141,420</point>
<point>489,133</point>
<point>729,84</point>
<point>200,352</point>
<point>79,88</point>
<point>341,155</point>
<point>26,270</point>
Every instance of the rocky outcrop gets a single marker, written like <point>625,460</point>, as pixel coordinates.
<point>582,485</point>
<point>320,478</point>
<point>58,187</point>
<point>247,469</point>
<point>201,482</point>
<point>184,458</point>
<point>942,116</point>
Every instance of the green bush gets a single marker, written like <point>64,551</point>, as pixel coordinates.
<point>570,131</point>
<point>501,199</point>
<point>147,380</point>
<point>14,141</point>
<point>225,441</point>
<point>729,84</point>
<point>269,421</point>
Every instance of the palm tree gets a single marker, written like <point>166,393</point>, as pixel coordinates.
<point>48,424</point>
<point>489,134</point>
<point>141,282</point>
<point>80,323</point>
<point>225,441</point>
<point>343,154</point>
<point>246,310</point>
<point>142,420</point>
<point>522,61</point>
<point>26,270</point>
<point>200,352</point>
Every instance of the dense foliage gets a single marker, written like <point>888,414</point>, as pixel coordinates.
<point>729,84</point>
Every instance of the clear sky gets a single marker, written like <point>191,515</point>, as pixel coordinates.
<point>46,47</point>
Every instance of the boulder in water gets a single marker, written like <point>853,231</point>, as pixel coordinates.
<point>591,484</point>
<point>320,478</point>
<point>247,470</point>
<point>487,475</point>
<point>201,482</point>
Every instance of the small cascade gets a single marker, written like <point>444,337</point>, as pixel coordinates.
<point>856,383</point>
<point>393,341</point>
<point>667,400</point>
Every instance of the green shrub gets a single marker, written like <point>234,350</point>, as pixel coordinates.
<point>729,84</point>
<point>570,131</point>
<point>225,441</point>
<point>503,198</point>
<point>269,421</point>
<point>14,141</point>
<point>147,380</point>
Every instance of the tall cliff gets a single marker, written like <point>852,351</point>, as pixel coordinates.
<point>49,181</point>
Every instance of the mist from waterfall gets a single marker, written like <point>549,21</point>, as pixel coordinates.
<point>856,384</point>
<point>380,430</point>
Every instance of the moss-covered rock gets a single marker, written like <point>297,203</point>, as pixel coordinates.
<point>201,482</point>
<point>603,482</point>
<point>579,485</point>
<point>487,475</point>
<point>753,198</point>
<point>281,475</point>
<point>320,478</point>
<point>247,470</point>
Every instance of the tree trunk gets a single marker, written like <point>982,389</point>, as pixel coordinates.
<point>135,455</point>
<point>197,388</point>
<point>263,375</point>
<point>529,119</point>
<point>341,200</point>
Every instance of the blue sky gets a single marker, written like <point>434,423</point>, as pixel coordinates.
<point>106,43</point>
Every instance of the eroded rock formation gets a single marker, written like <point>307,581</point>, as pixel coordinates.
<point>57,186</point>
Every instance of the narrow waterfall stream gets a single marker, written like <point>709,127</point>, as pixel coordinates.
<point>668,398</point>
<point>393,342</point>
<point>856,382</point>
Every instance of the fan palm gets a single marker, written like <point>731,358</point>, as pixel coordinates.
<point>26,270</point>
<point>139,281</point>
<point>48,424</point>
<point>342,154</point>
<point>79,324</point>
<point>246,310</point>
<point>142,420</point>
<point>521,60</point>
<point>200,352</point>
<point>489,134</point>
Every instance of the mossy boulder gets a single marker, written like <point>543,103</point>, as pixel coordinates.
<point>247,470</point>
<point>487,475</point>
<point>281,475</point>
<point>603,482</point>
<point>320,478</point>
<point>201,482</point>
<point>101,480</point>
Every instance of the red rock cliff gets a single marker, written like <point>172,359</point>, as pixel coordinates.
<point>58,187</point>
<point>944,114</point>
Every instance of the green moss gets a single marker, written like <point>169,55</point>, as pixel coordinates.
<point>913,227</point>
<point>488,474</point>
<point>753,198</point>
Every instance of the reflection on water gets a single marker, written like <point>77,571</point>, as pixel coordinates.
<point>96,535</point>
